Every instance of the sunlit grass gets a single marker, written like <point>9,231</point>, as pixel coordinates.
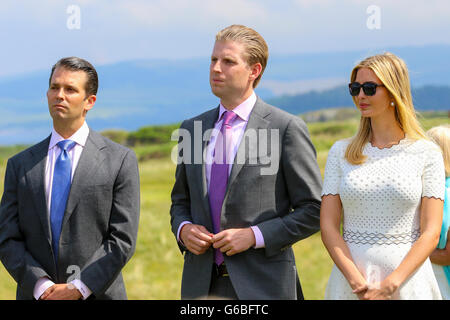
<point>155,270</point>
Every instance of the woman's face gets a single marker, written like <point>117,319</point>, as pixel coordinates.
<point>376,105</point>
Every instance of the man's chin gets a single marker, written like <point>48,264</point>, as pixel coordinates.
<point>217,92</point>
<point>61,118</point>
<point>58,116</point>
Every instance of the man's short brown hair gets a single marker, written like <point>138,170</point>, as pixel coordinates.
<point>256,49</point>
<point>78,64</point>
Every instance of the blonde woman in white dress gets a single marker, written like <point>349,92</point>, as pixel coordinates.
<point>386,185</point>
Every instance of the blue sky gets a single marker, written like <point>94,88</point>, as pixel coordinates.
<point>34,34</point>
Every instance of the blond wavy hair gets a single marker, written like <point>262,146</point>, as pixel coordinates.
<point>393,74</point>
<point>256,49</point>
<point>441,136</point>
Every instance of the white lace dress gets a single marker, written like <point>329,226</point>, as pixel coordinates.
<point>381,211</point>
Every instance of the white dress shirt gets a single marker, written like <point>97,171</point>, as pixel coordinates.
<point>80,137</point>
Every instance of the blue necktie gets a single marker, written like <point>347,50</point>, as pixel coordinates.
<point>60,191</point>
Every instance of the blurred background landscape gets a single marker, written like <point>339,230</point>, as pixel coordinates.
<point>152,58</point>
<point>137,93</point>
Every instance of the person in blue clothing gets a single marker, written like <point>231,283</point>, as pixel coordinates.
<point>440,257</point>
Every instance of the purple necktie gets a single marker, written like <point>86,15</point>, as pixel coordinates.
<point>219,176</point>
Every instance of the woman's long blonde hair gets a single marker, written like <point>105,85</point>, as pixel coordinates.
<point>393,73</point>
<point>441,136</point>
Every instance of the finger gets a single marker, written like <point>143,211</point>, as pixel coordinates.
<point>190,238</point>
<point>188,231</point>
<point>194,249</point>
<point>205,237</point>
<point>200,245</point>
<point>204,230</point>
<point>361,289</point>
<point>226,248</point>
<point>219,236</point>
<point>231,252</point>
<point>51,296</point>
<point>47,292</point>
<point>202,251</point>
<point>220,243</point>
<point>200,232</point>
<point>200,239</point>
<point>236,248</point>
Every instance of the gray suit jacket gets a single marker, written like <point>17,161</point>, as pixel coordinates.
<point>285,204</point>
<point>100,223</point>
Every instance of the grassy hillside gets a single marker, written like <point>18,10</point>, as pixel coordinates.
<point>155,270</point>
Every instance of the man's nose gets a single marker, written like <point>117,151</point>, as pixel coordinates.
<point>60,93</point>
<point>215,66</point>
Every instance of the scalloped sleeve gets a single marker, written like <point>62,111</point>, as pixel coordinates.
<point>333,171</point>
<point>433,177</point>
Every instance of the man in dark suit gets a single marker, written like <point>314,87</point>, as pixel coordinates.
<point>247,184</point>
<point>70,208</point>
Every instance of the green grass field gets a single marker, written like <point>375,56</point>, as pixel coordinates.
<point>154,272</point>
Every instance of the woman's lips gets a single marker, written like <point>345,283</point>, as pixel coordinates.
<point>363,106</point>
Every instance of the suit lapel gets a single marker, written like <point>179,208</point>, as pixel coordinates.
<point>91,158</point>
<point>256,121</point>
<point>36,180</point>
<point>207,125</point>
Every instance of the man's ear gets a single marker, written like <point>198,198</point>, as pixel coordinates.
<point>255,71</point>
<point>90,101</point>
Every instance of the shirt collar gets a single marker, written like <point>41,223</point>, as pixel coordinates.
<point>243,110</point>
<point>80,136</point>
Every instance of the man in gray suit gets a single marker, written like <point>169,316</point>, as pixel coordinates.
<point>247,184</point>
<point>70,208</point>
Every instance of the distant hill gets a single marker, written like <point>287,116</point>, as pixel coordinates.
<point>352,114</point>
<point>134,94</point>
<point>427,98</point>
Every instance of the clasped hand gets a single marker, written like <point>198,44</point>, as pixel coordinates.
<point>62,291</point>
<point>375,291</point>
<point>197,239</point>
